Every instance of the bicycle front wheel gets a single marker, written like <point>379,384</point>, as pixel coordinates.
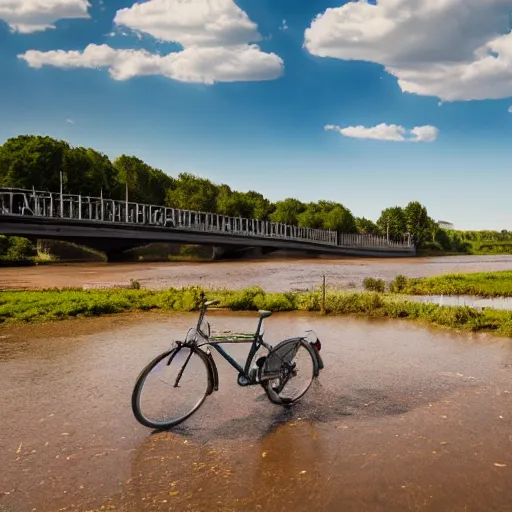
<point>171,388</point>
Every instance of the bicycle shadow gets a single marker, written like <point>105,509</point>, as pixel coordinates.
<point>321,405</point>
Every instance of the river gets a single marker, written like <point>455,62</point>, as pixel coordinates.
<point>403,418</point>
<point>273,275</point>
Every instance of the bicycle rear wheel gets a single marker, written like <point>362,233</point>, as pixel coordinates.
<point>289,371</point>
<point>161,397</point>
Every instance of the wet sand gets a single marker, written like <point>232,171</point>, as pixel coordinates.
<point>273,275</point>
<point>402,418</point>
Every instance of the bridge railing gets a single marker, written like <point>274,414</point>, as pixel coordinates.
<point>22,202</point>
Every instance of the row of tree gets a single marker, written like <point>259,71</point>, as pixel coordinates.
<point>35,161</point>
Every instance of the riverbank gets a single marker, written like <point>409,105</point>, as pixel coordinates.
<point>481,284</point>
<point>52,305</point>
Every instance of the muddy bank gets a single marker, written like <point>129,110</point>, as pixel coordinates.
<point>272,275</point>
<point>402,418</point>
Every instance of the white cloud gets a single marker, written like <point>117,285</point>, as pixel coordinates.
<point>389,132</point>
<point>284,26</point>
<point>191,22</point>
<point>27,16</point>
<point>70,121</point>
<point>215,35</point>
<point>510,110</point>
<point>196,64</point>
<point>450,49</point>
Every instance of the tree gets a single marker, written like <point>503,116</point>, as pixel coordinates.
<point>261,207</point>
<point>233,204</point>
<point>311,217</point>
<point>193,193</point>
<point>392,221</point>
<point>340,219</point>
<point>287,211</point>
<point>102,176</point>
<point>158,184</point>
<point>417,221</point>
<point>367,227</point>
<point>78,172</point>
<point>145,184</point>
<point>32,161</point>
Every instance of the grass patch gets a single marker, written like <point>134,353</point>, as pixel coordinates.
<point>47,305</point>
<point>373,284</point>
<point>492,247</point>
<point>483,284</point>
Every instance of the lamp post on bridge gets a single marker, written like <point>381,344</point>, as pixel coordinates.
<point>61,197</point>
<point>126,196</point>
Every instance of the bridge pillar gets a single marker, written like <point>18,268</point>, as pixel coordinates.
<point>115,255</point>
<point>218,252</point>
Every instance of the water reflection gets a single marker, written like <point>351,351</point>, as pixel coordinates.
<point>401,416</point>
<point>502,303</point>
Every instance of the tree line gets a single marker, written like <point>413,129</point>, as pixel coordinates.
<point>37,161</point>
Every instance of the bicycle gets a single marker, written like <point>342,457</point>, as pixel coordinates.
<point>190,363</point>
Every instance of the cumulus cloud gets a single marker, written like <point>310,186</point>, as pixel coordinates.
<point>196,64</point>
<point>450,49</point>
<point>215,36</point>
<point>284,26</point>
<point>191,22</point>
<point>27,16</point>
<point>390,132</point>
<point>510,110</point>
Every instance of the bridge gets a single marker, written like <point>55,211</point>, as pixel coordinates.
<point>114,226</point>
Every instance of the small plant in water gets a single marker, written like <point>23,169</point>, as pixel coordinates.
<point>398,284</point>
<point>373,284</point>
<point>134,284</point>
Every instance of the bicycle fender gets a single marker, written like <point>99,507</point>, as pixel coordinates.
<point>316,358</point>
<point>214,374</point>
<point>319,359</point>
<point>281,347</point>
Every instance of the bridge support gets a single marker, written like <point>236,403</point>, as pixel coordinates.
<point>219,253</point>
<point>115,255</point>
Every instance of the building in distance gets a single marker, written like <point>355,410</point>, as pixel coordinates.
<point>443,224</point>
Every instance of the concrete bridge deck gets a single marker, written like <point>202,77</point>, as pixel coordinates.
<point>116,226</point>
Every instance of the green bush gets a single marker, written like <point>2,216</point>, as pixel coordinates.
<point>16,249</point>
<point>245,300</point>
<point>373,284</point>
<point>432,246</point>
<point>398,284</point>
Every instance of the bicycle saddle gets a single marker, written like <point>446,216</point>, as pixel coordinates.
<point>264,314</point>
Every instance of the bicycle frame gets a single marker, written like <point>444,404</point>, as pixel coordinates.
<point>256,342</point>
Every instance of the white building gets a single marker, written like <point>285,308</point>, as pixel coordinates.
<point>445,225</point>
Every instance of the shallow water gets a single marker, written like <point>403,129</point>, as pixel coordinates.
<point>503,303</point>
<point>402,418</point>
<point>273,275</point>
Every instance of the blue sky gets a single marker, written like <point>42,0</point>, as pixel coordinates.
<point>250,87</point>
